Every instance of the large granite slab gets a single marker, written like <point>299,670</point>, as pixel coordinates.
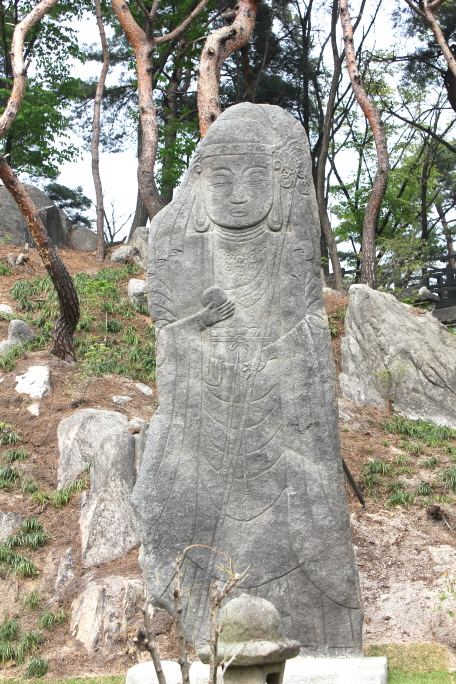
<point>243,453</point>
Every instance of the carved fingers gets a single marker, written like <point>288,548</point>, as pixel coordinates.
<point>214,314</point>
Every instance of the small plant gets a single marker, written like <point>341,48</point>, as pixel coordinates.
<point>62,497</point>
<point>49,620</point>
<point>37,667</point>
<point>29,486</point>
<point>15,562</point>
<point>390,378</point>
<point>449,477</point>
<point>412,448</point>
<point>430,433</point>
<point>5,270</point>
<point>430,462</point>
<point>447,598</point>
<point>399,495</point>
<point>12,455</point>
<point>385,443</point>
<point>423,489</point>
<point>402,459</point>
<point>8,474</point>
<point>30,601</point>
<point>371,481</point>
<point>9,629</point>
<point>378,467</point>
<point>9,437</point>
<point>405,470</point>
<point>113,326</point>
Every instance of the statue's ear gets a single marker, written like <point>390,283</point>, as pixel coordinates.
<point>199,213</point>
<point>275,215</point>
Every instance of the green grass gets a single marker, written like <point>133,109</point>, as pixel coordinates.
<point>11,455</point>
<point>30,601</point>
<point>16,645</point>
<point>37,667</point>
<point>415,663</point>
<point>449,477</point>
<point>427,432</point>
<point>62,497</point>
<point>5,270</point>
<point>378,467</point>
<point>49,620</point>
<point>31,536</point>
<point>101,347</point>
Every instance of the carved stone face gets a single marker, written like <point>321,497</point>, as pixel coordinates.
<point>237,189</point>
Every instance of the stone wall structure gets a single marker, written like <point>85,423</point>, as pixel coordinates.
<point>243,453</point>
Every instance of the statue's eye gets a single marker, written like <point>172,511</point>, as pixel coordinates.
<point>221,179</point>
<point>255,176</point>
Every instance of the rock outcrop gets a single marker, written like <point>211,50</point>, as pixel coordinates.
<point>140,243</point>
<point>80,437</point>
<point>108,525</point>
<point>137,292</point>
<point>14,228</point>
<point>83,239</point>
<point>8,523</point>
<point>394,353</point>
<point>36,382</point>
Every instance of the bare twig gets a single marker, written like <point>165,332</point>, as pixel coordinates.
<point>146,639</point>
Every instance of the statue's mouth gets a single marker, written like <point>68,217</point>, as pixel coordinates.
<point>238,212</point>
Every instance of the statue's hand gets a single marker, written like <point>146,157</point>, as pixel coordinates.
<point>214,314</point>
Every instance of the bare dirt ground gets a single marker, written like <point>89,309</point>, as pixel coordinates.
<point>406,559</point>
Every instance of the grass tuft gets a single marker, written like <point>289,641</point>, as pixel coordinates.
<point>19,454</point>
<point>49,620</point>
<point>429,433</point>
<point>37,667</point>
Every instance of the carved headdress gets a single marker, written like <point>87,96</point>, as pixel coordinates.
<point>242,129</point>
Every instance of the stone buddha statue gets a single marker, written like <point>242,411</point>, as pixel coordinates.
<point>243,453</point>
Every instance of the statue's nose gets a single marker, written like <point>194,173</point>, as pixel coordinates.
<point>239,195</point>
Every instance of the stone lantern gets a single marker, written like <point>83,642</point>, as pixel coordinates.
<point>251,641</point>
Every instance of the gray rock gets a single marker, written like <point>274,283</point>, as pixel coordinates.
<point>121,399</point>
<point>36,382</point>
<point>103,611</point>
<point>8,523</point>
<point>121,254</point>
<point>83,239</point>
<point>139,241</point>
<point>251,634</point>
<point>243,453</point>
<point>65,572</point>
<point>5,309</point>
<point>108,525</point>
<point>424,293</point>
<point>11,260</point>
<point>19,331</point>
<point>333,293</point>
<point>391,354</point>
<point>137,291</point>
<point>145,389</point>
<point>20,259</point>
<point>14,228</point>
<point>80,437</point>
<point>5,346</point>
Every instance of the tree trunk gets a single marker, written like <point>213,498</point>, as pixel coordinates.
<point>218,46</point>
<point>96,134</point>
<point>446,231</point>
<point>323,156</point>
<point>368,264</point>
<point>69,306</point>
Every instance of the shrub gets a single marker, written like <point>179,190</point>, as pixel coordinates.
<point>49,620</point>
<point>377,467</point>
<point>428,432</point>
<point>12,455</point>
<point>37,667</point>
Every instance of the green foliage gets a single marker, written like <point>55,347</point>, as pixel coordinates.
<point>5,270</point>
<point>8,474</point>
<point>113,326</point>
<point>37,667</point>
<point>8,360</point>
<point>430,462</point>
<point>7,436</point>
<point>15,562</point>
<point>9,629</point>
<point>11,455</point>
<point>378,467</point>
<point>62,497</point>
<point>72,201</point>
<point>427,432</point>
<point>48,620</point>
<point>402,459</point>
<point>391,377</point>
<point>400,497</point>
<point>449,477</point>
<point>423,489</point>
<point>30,601</point>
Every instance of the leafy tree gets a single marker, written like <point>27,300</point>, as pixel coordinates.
<point>72,201</point>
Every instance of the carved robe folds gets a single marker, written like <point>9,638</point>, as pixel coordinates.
<point>243,452</point>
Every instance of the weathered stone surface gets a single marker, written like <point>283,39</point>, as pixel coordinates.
<point>145,389</point>
<point>139,241</point>
<point>144,673</point>
<point>121,399</point>
<point>19,331</point>
<point>333,293</point>
<point>14,227</point>
<point>392,353</point>
<point>251,634</point>
<point>104,609</point>
<point>5,346</point>
<point>83,239</point>
<point>65,572</point>
<point>11,260</point>
<point>80,437</point>
<point>297,671</point>
<point>8,523</point>
<point>243,453</point>
<point>121,254</point>
<point>108,525</point>
<point>5,309</point>
<point>35,382</point>
<point>137,291</point>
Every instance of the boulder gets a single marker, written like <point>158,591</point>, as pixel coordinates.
<point>121,399</point>
<point>5,346</point>
<point>139,241</point>
<point>121,254</point>
<point>108,525</point>
<point>5,309</point>
<point>137,292</point>
<point>14,228</point>
<point>145,389</point>
<point>8,523</point>
<point>144,673</point>
<point>394,353</point>
<point>36,382</point>
<point>19,331</point>
<point>65,572</point>
<point>83,239</point>
<point>104,609</point>
<point>80,437</point>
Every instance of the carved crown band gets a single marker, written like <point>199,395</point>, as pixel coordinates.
<point>236,148</point>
